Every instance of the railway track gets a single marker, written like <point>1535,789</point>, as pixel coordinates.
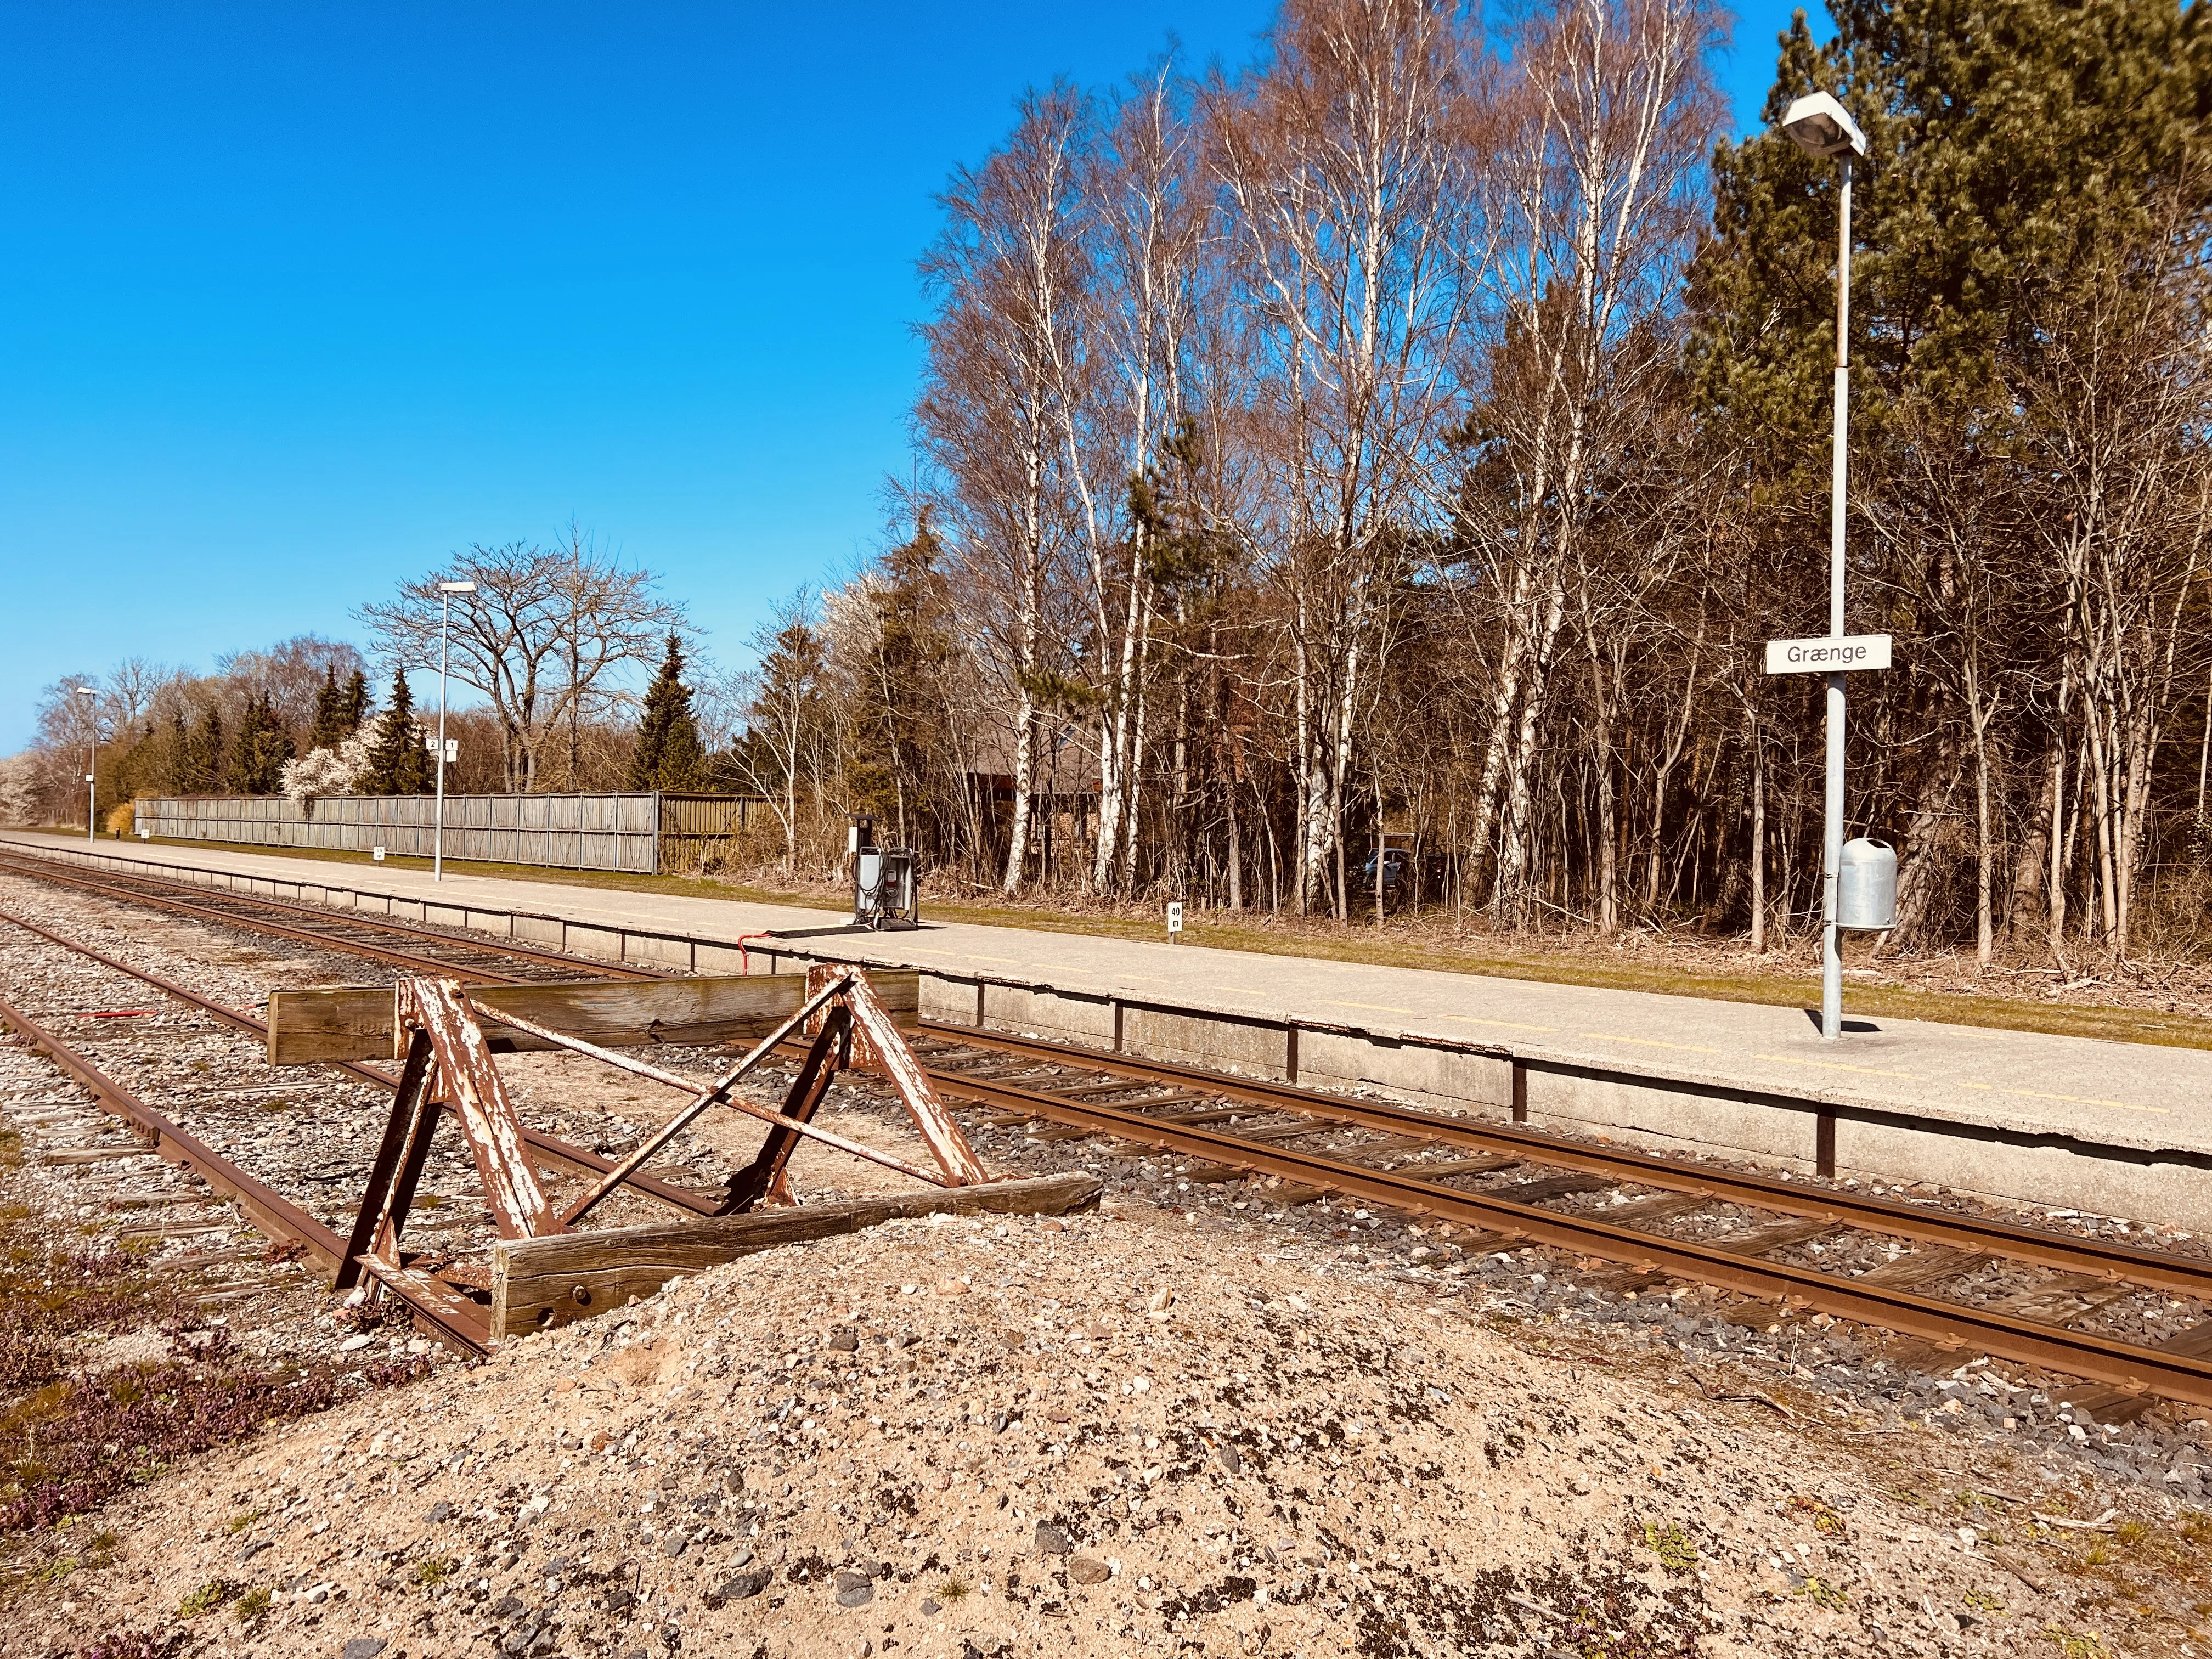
<point>471,958</point>
<point>2021,1294</point>
<point>283,1221</point>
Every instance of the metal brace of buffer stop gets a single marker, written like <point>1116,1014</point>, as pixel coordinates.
<point>449,1068</point>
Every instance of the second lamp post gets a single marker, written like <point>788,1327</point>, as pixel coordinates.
<point>446,591</point>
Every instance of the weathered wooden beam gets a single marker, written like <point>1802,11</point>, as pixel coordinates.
<point>541,1283</point>
<point>355,1022</point>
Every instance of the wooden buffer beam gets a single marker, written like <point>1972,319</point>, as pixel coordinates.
<point>446,1034</point>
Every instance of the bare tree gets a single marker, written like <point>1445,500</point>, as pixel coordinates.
<point>1343,172</point>
<point>1596,198</point>
<point>543,634</point>
<point>2125,493</point>
<point>607,616</point>
<point>787,753</point>
<point>1008,271</point>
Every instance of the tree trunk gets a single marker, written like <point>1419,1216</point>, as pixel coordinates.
<point>1758,832</point>
<point>2034,856</point>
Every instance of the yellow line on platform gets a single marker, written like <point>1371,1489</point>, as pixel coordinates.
<point>2084,1100</point>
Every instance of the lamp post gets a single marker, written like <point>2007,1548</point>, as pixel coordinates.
<point>1822,127</point>
<point>446,591</point>
<point>91,765</point>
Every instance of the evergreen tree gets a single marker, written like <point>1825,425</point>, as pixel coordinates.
<point>668,755</point>
<point>205,757</point>
<point>353,703</point>
<point>263,748</point>
<point>2010,146</point>
<point>183,778</point>
<point>398,763</point>
<point>330,729</point>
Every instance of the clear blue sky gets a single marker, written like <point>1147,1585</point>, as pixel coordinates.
<point>293,299</point>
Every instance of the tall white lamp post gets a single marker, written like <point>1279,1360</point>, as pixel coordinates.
<point>446,591</point>
<point>1822,127</point>
<point>91,764</point>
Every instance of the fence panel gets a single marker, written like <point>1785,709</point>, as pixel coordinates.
<point>695,828</point>
<point>568,832</point>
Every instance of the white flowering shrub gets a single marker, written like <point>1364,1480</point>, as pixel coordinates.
<point>330,771</point>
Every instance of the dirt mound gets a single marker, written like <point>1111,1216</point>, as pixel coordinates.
<point>1117,1433</point>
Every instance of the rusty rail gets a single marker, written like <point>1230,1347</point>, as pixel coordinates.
<point>2104,1359</point>
<point>274,1215</point>
<point>43,870</point>
<point>580,1159</point>
<point>2183,1275</point>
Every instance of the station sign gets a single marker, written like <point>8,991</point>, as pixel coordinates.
<point>1829,654</point>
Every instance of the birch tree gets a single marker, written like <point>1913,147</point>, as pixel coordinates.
<point>992,421</point>
<point>1603,135</point>
<point>1343,175</point>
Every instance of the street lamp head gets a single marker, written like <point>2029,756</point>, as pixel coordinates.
<point>1821,126</point>
<point>86,691</point>
<point>456,588</point>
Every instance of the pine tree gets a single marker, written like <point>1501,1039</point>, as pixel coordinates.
<point>181,777</point>
<point>2009,146</point>
<point>263,748</point>
<point>204,762</point>
<point>354,702</point>
<point>330,729</point>
<point>398,763</point>
<point>668,756</point>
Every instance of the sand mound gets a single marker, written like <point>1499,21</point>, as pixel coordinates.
<point>1118,1433</point>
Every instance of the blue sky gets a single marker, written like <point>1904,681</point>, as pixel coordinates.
<point>295,299</point>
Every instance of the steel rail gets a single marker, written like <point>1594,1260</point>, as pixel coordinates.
<point>1949,1324</point>
<point>41,870</point>
<point>581,1159</point>
<point>1955,1325</point>
<point>274,1215</point>
<point>2185,1275</point>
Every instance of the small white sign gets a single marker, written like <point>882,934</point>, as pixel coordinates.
<point>1828,654</point>
<point>1174,918</point>
<point>376,854</point>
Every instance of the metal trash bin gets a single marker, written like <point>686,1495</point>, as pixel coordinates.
<point>1866,886</point>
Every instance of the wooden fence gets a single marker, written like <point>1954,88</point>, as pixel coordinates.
<point>640,833</point>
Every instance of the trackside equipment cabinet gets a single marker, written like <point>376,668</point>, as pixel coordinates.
<point>883,882</point>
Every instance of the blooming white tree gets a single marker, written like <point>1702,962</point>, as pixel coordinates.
<point>337,771</point>
<point>19,792</point>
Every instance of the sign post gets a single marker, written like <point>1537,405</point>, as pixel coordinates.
<point>1833,655</point>
<point>1174,920</point>
<point>1820,126</point>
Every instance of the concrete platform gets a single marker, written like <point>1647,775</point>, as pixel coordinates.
<point>2114,1128</point>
